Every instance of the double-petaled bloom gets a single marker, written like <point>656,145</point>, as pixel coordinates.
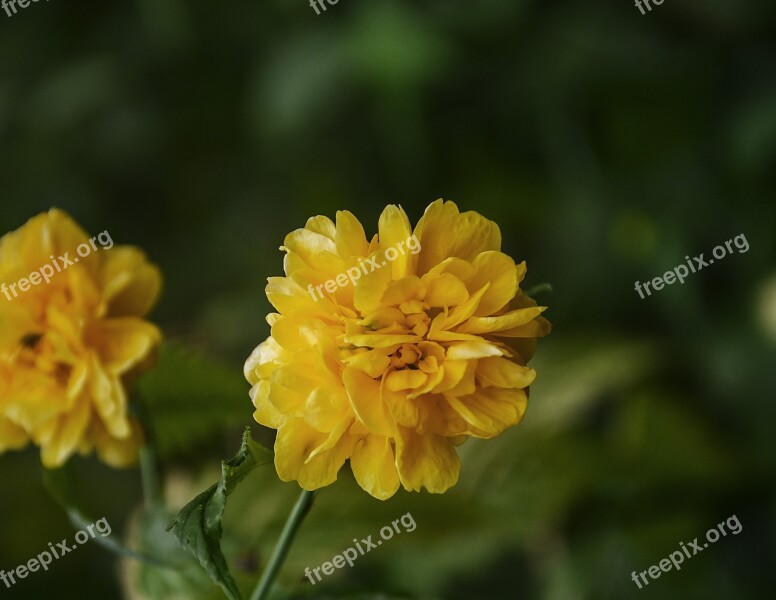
<point>398,369</point>
<point>69,343</point>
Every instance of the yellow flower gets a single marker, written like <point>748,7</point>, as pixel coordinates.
<point>69,341</point>
<point>395,368</point>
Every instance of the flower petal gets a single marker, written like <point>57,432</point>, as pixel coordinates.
<point>324,410</point>
<point>539,327</point>
<point>445,290</point>
<point>428,461</point>
<point>490,411</point>
<point>473,350</point>
<point>444,232</point>
<point>265,414</point>
<point>372,362</point>
<point>70,430</point>
<point>497,269</point>
<point>366,398</point>
<point>265,358</point>
<point>510,320</point>
<point>502,372</point>
<point>406,379</point>
<point>350,237</point>
<point>130,284</point>
<point>12,437</point>
<point>295,443</point>
<point>124,342</point>
<point>394,229</point>
<point>307,248</point>
<point>453,373</point>
<point>459,314</point>
<point>287,296</point>
<point>322,225</point>
<point>291,384</point>
<point>374,466</point>
<point>109,398</point>
<point>370,289</point>
<point>376,340</point>
<point>116,452</point>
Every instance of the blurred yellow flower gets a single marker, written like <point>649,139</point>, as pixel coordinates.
<point>398,369</point>
<point>68,344</point>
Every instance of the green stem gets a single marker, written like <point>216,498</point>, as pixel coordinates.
<point>302,507</point>
<point>79,521</point>
<point>149,468</point>
<point>149,474</point>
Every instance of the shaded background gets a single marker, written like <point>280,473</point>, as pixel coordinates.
<point>607,145</point>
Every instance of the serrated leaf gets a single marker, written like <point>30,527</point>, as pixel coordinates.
<point>198,526</point>
<point>188,398</point>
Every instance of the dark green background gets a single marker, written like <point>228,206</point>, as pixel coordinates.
<point>606,144</point>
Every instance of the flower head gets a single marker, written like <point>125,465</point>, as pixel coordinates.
<point>71,333</point>
<point>396,367</point>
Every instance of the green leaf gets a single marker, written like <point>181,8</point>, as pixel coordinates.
<point>198,525</point>
<point>187,582</point>
<point>188,398</point>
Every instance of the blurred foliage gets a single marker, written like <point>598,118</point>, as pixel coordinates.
<point>608,145</point>
<point>187,398</point>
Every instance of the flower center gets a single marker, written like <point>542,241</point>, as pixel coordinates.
<point>406,356</point>
<point>37,353</point>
